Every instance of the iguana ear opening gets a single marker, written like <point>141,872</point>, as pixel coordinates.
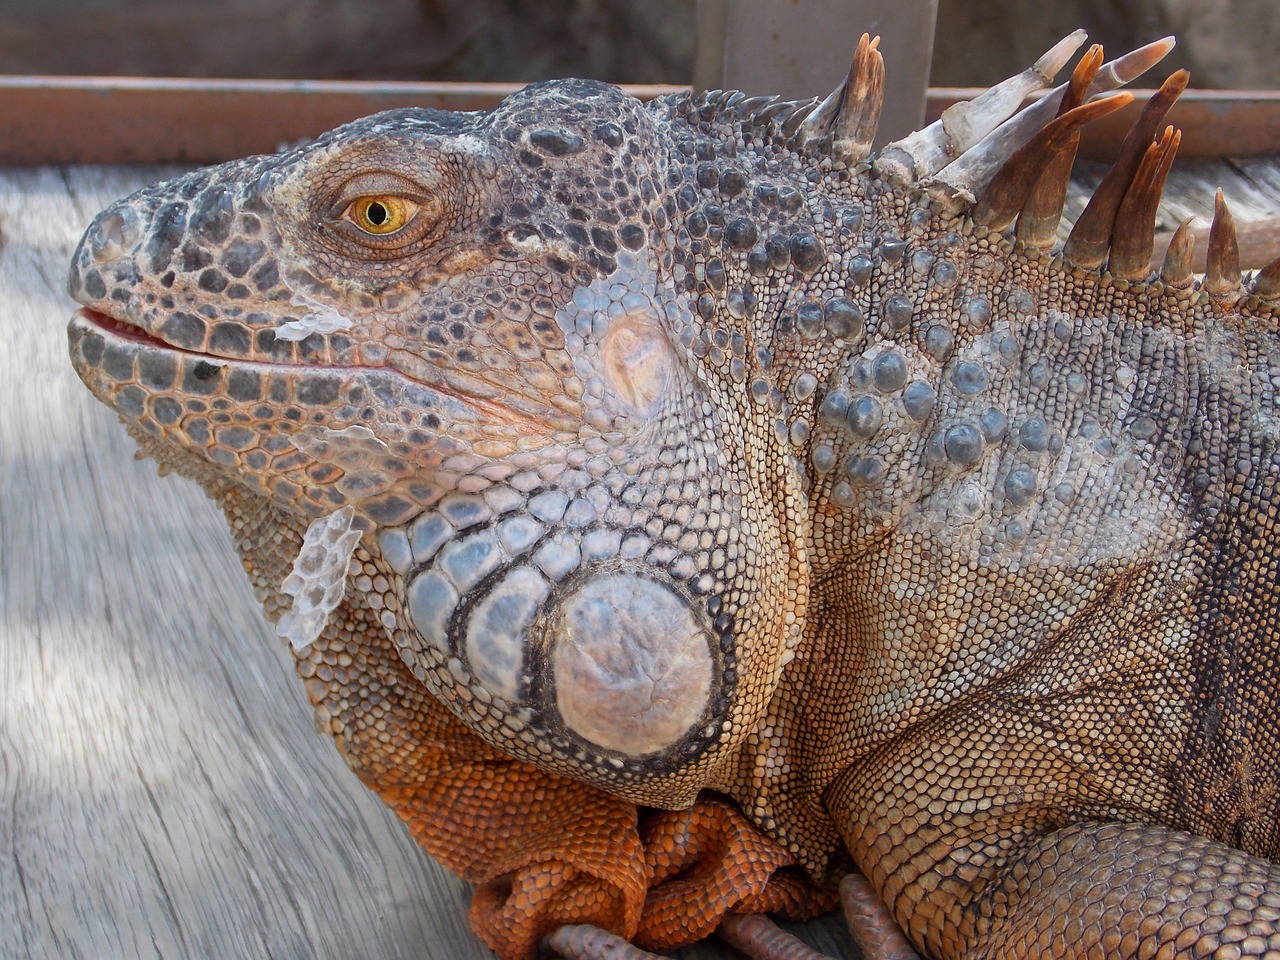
<point>637,362</point>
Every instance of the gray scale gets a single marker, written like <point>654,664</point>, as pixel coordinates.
<point>497,628</point>
<point>559,556</point>
<point>432,600</point>
<point>393,544</point>
<point>428,534</point>
<point>824,458</point>
<point>864,417</point>
<point>549,506</point>
<point>502,499</point>
<point>918,400</point>
<point>601,544</point>
<point>1020,486</point>
<point>579,513</point>
<point>467,562</point>
<point>994,425</point>
<point>634,546</point>
<point>464,511</point>
<point>517,534</point>
<point>889,372</point>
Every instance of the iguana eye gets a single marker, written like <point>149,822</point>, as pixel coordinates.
<point>381,216</point>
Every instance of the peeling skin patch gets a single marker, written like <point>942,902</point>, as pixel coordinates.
<point>633,668</point>
<point>320,318</point>
<point>319,577</point>
<point>637,363</point>
<point>352,444</point>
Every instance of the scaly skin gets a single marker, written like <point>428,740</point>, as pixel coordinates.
<point>690,458</point>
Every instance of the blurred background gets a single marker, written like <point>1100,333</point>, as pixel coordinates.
<point>1225,43</point>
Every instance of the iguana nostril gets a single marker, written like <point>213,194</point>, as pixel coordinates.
<point>114,235</point>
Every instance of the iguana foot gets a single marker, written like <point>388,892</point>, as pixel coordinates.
<point>752,934</point>
<point>872,929</point>
<point>578,941</point>
<point>709,862</point>
<point>761,939</point>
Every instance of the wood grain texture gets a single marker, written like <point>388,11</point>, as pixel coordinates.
<point>162,791</point>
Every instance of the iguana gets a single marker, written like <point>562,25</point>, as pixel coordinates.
<point>674,506</point>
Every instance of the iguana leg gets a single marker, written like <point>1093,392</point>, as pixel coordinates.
<point>1015,886</point>
<point>873,930</point>
<point>1129,890</point>
<point>761,939</point>
<point>583,942</point>
<point>1039,858</point>
<point>752,934</point>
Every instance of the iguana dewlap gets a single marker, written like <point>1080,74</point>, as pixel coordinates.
<point>596,454</point>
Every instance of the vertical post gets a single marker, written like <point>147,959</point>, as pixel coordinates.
<point>802,48</point>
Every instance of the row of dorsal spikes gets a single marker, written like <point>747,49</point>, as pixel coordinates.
<point>1010,167</point>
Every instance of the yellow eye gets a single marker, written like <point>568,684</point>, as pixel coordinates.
<point>381,216</point>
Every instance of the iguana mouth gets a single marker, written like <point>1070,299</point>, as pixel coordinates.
<point>126,330</point>
<point>458,390</point>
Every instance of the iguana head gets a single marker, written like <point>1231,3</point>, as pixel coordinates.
<point>429,259</point>
<point>470,337</point>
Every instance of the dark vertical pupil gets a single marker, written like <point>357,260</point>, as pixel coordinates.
<point>376,213</point>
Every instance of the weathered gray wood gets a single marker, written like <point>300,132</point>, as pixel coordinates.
<point>163,792</point>
<point>802,49</point>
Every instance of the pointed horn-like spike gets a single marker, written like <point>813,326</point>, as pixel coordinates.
<point>790,121</point>
<point>1081,77</point>
<point>1010,188</point>
<point>897,162</point>
<point>744,108</point>
<point>1259,242</point>
<point>850,115</point>
<point>1222,265</point>
<point>859,116</point>
<point>820,123</point>
<point>968,122</point>
<point>1176,272</point>
<point>766,114</point>
<point>1091,236</point>
<point>1135,63</point>
<point>964,124</point>
<point>1266,285</point>
<point>959,182</point>
<point>1133,240</point>
<point>1042,211</point>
